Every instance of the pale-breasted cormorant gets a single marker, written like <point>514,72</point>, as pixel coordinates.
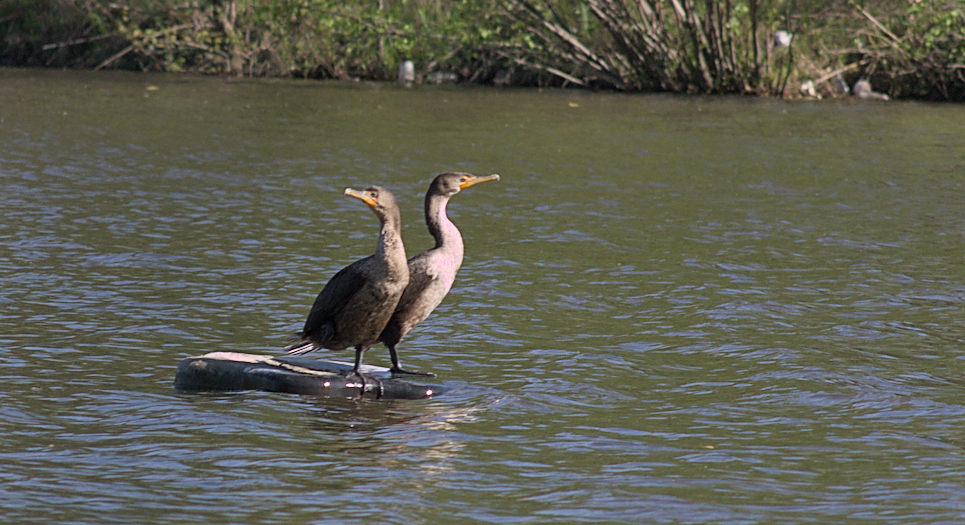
<point>432,272</point>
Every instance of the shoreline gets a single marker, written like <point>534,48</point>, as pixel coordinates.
<point>381,84</point>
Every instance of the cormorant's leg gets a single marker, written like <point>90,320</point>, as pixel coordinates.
<point>359,350</point>
<point>397,368</point>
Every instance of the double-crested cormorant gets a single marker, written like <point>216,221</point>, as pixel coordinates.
<point>358,301</point>
<point>432,272</point>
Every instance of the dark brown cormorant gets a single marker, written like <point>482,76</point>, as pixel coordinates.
<point>432,272</point>
<point>358,301</point>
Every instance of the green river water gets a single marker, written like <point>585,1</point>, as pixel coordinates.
<point>672,309</point>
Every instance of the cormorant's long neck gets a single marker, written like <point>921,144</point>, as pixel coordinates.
<point>390,247</point>
<point>445,233</point>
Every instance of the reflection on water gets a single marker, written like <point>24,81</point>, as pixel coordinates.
<point>672,309</point>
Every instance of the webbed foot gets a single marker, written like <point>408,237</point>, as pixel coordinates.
<point>360,379</point>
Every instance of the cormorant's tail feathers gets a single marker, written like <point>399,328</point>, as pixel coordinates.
<point>301,347</point>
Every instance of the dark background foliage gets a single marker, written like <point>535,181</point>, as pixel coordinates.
<point>906,48</point>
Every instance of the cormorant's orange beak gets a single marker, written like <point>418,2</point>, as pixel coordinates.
<point>362,196</point>
<point>476,180</point>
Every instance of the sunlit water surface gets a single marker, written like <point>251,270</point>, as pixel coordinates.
<point>672,310</point>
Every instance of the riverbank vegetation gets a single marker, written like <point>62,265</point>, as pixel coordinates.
<point>906,48</point>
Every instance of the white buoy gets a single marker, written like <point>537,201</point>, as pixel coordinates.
<point>407,73</point>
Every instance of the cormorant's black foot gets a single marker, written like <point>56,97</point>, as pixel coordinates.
<point>366,387</point>
<point>398,371</point>
<point>361,379</point>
